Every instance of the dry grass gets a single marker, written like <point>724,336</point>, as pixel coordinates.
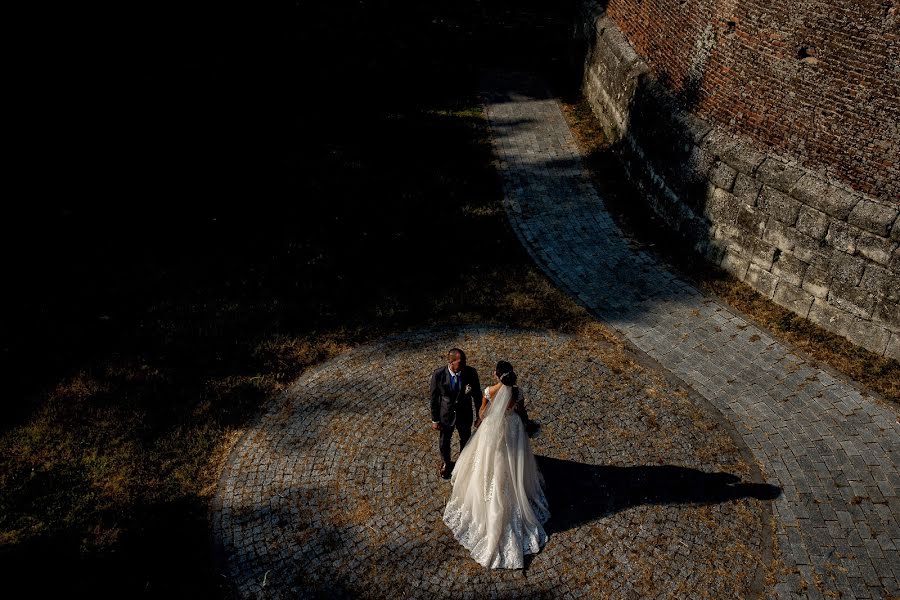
<point>110,474</point>
<point>359,513</point>
<point>877,373</point>
<point>106,472</point>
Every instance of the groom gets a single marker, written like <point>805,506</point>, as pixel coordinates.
<point>455,400</point>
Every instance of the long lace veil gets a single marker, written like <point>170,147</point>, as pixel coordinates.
<point>497,406</point>
<point>521,459</point>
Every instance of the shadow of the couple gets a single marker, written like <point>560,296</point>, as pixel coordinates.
<point>579,493</point>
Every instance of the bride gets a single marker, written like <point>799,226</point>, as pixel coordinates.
<point>497,507</point>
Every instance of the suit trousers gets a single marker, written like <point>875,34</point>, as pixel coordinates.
<point>465,432</point>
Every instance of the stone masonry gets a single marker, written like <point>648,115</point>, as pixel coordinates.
<point>833,450</point>
<point>803,239</point>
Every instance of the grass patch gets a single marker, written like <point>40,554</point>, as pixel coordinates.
<point>268,200</point>
<point>647,231</point>
<point>115,466</point>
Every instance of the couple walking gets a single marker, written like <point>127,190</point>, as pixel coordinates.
<point>497,506</point>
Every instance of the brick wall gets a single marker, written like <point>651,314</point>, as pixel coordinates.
<point>819,80</point>
<point>751,199</point>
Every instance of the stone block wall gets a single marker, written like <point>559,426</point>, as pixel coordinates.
<point>798,235</point>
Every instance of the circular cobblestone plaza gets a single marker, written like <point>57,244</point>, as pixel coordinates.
<point>334,491</point>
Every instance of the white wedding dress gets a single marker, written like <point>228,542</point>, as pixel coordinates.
<point>497,507</point>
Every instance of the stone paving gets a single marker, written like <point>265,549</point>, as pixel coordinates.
<point>833,450</point>
<point>333,492</point>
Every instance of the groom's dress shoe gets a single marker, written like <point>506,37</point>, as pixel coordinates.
<point>444,471</point>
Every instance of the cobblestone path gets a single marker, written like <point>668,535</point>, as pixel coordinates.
<point>333,492</point>
<point>834,451</point>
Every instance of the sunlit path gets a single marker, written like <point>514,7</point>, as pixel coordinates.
<point>833,450</point>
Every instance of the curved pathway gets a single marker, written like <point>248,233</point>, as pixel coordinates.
<point>333,492</point>
<point>834,451</point>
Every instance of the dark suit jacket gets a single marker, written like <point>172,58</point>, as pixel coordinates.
<point>449,407</point>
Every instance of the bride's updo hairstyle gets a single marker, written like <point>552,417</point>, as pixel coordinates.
<point>505,373</point>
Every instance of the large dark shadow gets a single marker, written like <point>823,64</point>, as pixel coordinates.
<point>208,181</point>
<point>210,186</point>
<point>579,493</point>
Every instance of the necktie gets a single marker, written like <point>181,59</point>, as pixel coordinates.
<point>455,382</point>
